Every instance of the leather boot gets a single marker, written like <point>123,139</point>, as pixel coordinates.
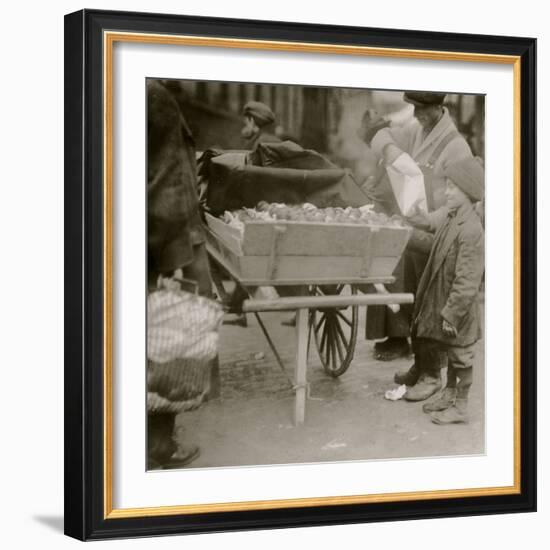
<point>163,452</point>
<point>183,456</point>
<point>457,414</point>
<point>428,384</point>
<point>408,377</point>
<point>427,357</point>
<point>160,444</point>
<point>444,401</point>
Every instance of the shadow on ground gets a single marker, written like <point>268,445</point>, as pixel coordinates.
<point>55,523</point>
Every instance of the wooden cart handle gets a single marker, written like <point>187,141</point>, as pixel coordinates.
<point>381,289</point>
<point>317,302</point>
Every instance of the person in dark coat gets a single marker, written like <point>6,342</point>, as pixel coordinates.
<point>446,315</point>
<point>174,226</point>
<point>259,125</point>
<point>175,238</point>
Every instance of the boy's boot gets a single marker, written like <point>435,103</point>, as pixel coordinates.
<point>444,401</point>
<point>447,398</point>
<point>458,413</point>
<point>408,377</point>
<point>427,356</point>
<point>428,384</point>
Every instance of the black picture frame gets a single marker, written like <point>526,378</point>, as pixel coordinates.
<point>85,516</point>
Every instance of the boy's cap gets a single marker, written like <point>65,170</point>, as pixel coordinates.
<point>468,174</point>
<point>260,112</point>
<point>424,98</point>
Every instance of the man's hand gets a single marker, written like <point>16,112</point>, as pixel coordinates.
<point>173,281</point>
<point>371,123</point>
<point>169,283</point>
<point>448,329</point>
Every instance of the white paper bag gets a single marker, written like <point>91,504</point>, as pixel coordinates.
<point>407,182</point>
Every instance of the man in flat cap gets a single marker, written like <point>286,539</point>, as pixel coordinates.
<point>432,140</point>
<point>259,124</point>
<point>446,315</point>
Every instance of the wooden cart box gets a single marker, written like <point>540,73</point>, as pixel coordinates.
<point>303,252</point>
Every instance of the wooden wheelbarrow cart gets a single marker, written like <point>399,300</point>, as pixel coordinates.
<point>323,267</point>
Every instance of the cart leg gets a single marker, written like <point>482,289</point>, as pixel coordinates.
<point>300,373</point>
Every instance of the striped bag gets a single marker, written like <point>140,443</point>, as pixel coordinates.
<point>182,342</point>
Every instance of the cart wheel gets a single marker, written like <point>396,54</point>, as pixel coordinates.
<point>335,331</point>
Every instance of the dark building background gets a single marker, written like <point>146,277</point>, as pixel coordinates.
<point>324,119</point>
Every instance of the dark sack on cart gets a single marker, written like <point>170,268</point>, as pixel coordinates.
<point>275,172</point>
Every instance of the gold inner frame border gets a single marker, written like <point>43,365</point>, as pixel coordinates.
<point>109,39</point>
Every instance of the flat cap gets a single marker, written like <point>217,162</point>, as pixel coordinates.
<point>260,112</point>
<point>424,98</point>
<point>469,175</point>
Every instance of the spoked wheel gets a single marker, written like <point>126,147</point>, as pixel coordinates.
<point>335,331</point>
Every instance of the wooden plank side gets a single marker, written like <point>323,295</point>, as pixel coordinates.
<point>383,266</point>
<point>311,268</point>
<point>390,241</point>
<point>311,239</point>
<point>301,269</point>
<point>293,269</point>
<point>321,239</point>
<point>229,235</point>
<point>306,239</point>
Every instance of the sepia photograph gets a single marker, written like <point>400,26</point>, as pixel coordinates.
<point>315,274</point>
<point>300,277</point>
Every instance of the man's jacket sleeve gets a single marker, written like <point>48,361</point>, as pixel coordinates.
<point>170,193</point>
<point>400,136</point>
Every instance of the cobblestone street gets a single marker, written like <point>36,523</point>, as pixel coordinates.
<point>347,418</point>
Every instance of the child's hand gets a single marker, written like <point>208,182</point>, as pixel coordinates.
<point>417,217</point>
<point>448,329</point>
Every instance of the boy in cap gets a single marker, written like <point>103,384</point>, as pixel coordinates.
<point>446,314</point>
<point>258,127</point>
<point>259,122</point>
